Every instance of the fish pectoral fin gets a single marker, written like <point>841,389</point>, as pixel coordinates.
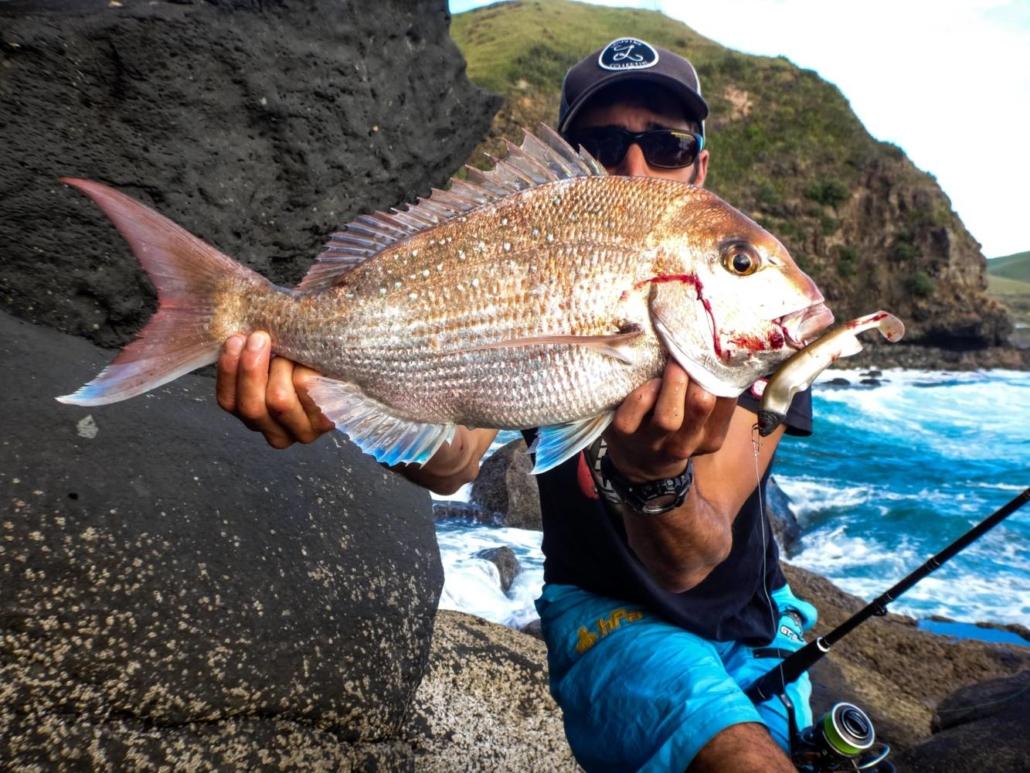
<point>558,442</point>
<point>372,428</point>
<point>617,345</point>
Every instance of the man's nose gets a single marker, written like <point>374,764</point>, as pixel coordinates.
<point>633,164</point>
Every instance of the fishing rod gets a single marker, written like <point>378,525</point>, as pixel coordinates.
<point>796,664</point>
<point>837,739</point>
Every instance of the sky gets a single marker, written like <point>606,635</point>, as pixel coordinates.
<point>946,80</point>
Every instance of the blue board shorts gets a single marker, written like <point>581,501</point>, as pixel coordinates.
<point>639,693</point>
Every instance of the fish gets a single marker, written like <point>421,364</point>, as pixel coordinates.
<point>534,295</point>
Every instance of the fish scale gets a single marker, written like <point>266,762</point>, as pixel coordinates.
<point>535,295</point>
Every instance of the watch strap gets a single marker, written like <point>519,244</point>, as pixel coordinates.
<point>652,497</point>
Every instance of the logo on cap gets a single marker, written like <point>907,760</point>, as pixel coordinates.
<point>627,54</point>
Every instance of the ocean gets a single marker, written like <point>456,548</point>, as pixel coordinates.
<point>894,471</point>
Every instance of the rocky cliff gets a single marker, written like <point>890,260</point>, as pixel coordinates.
<point>872,229</point>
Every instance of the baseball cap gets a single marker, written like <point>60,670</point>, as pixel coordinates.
<point>626,59</point>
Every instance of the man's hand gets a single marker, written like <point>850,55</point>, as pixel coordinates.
<point>268,394</point>
<point>661,424</point>
<point>658,427</point>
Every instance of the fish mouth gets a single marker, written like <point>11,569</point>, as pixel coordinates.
<point>800,328</point>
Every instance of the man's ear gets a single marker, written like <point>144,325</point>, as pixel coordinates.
<point>700,169</point>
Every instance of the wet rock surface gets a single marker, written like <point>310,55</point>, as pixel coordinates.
<point>173,589</point>
<point>506,486</point>
<point>259,126</point>
<point>466,512</point>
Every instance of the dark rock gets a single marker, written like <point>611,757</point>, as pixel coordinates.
<point>838,381</point>
<point>1008,695</point>
<point>980,727</point>
<point>259,126</point>
<point>910,355</point>
<point>505,486</point>
<point>173,589</point>
<point>1016,628</point>
<point>469,512</point>
<point>784,523</point>
<point>870,382</point>
<point>506,562</point>
<point>874,373</point>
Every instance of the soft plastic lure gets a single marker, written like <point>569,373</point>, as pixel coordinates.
<point>799,371</point>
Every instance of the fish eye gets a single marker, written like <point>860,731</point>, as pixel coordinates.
<point>741,259</point>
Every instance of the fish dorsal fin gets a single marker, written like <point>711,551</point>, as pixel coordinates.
<point>541,158</point>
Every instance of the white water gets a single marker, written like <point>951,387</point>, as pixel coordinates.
<point>893,474</point>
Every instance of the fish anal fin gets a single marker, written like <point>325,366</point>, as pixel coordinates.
<point>372,428</point>
<point>558,442</point>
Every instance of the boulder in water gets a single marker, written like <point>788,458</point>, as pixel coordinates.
<point>505,560</point>
<point>781,516</point>
<point>506,486</point>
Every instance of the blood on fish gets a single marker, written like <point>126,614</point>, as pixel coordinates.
<point>690,279</point>
<point>754,343</point>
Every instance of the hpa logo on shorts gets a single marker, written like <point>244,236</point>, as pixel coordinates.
<point>628,54</point>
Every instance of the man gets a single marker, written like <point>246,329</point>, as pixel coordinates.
<point>664,599</point>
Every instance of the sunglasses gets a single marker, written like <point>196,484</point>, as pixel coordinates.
<point>662,148</point>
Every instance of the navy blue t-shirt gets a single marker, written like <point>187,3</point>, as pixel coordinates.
<point>585,545</point>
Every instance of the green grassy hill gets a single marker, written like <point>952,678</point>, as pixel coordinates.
<point>874,231</point>
<point>1016,266</point>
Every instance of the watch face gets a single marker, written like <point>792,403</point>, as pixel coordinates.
<point>660,503</point>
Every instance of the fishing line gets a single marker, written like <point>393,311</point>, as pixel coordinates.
<point>756,445</point>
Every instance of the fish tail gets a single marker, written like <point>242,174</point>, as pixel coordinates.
<point>190,277</point>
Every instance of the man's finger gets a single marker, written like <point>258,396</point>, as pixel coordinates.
<point>302,377</point>
<point>669,409</point>
<point>251,388</point>
<point>698,405</point>
<point>228,364</point>
<point>284,406</point>
<point>637,404</point>
<point>717,426</point>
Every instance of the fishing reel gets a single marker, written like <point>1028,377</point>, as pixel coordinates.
<point>841,739</point>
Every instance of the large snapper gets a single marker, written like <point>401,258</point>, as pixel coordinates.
<point>535,295</point>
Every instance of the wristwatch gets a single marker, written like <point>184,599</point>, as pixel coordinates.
<point>651,497</point>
